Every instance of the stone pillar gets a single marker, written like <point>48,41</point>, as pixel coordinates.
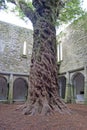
<point>68,89</point>
<point>10,98</point>
<point>85,85</point>
<point>73,93</point>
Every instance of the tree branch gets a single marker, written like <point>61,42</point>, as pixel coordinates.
<point>28,11</point>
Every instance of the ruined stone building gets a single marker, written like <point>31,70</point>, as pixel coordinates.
<point>15,52</point>
<point>72,62</point>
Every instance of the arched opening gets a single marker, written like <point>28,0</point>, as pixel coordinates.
<point>78,87</point>
<point>62,86</point>
<point>20,90</point>
<point>3,88</point>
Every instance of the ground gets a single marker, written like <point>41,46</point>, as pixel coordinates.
<point>12,119</point>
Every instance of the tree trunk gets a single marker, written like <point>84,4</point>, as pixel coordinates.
<point>43,81</point>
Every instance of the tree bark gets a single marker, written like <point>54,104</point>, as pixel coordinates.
<point>43,81</point>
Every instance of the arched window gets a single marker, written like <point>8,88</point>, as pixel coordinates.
<point>78,86</point>
<point>20,90</point>
<point>62,86</point>
<point>59,52</point>
<point>3,88</point>
<point>24,49</point>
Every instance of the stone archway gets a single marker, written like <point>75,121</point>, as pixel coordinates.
<point>20,90</point>
<point>78,87</point>
<point>3,88</point>
<point>62,86</point>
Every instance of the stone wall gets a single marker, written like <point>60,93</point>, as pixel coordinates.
<point>14,66</point>
<point>74,44</point>
<point>11,48</point>
<point>73,67</point>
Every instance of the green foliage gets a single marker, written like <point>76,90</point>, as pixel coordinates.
<point>71,11</point>
<point>30,5</point>
<point>81,23</point>
<point>18,11</point>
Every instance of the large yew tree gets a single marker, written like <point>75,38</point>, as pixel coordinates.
<point>43,95</point>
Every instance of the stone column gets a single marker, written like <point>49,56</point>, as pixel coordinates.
<point>73,92</point>
<point>85,85</point>
<point>10,98</point>
<point>68,89</point>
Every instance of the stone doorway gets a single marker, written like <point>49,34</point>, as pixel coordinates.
<point>20,90</point>
<point>3,89</point>
<point>78,87</point>
<point>62,86</point>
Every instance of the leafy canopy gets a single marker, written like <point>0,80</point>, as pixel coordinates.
<point>70,11</point>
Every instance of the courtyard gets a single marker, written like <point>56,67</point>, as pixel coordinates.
<point>13,119</point>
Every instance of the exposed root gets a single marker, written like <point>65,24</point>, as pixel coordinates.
<point>21,107</point>
<point>45,108</point>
